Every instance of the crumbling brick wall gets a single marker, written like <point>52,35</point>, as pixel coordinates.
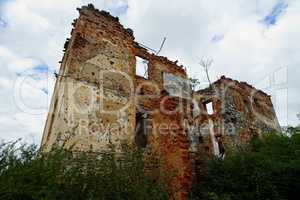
<point>240,112</point>
<point>95,102</point>
<point>94,75</point>
<point>99,99</point>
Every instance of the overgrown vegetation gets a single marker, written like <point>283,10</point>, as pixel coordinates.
<point>268,168</point>
<point>26,174</point>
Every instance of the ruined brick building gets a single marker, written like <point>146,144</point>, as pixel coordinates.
<point>111,89</point>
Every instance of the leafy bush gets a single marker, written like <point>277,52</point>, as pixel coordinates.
<point>268,168</point>
<point>27,174</point>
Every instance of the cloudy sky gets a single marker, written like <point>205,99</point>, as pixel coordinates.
<point>254,41</point>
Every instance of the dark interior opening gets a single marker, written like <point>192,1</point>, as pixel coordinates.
<point>141,130</point>
<point>221,146</point>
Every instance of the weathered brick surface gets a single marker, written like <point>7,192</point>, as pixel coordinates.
<point>98,98</point>
<point>240,111</point>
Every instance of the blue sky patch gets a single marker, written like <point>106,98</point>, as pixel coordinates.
<point>277,10</point>
<point>3,23</point>
<point>35,73</point>
<point>217,38</point>
<point>41,69</point>
<point>121,10</point>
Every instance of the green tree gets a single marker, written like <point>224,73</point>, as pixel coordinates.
<point>268,168</point>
